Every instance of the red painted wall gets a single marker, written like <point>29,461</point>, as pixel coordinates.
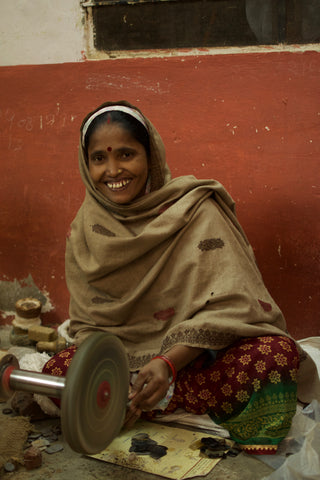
<point>249,120</point>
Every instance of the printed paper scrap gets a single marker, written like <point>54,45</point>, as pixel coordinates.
<point>182,459</point>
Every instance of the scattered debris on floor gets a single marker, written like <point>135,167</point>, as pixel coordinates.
<point>9,467</point>
<point>32,458</point>
<point>217,448</point>
<point>28,442</point>
<point>142,444</point>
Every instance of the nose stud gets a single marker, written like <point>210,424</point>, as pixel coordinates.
<point>120,170</point>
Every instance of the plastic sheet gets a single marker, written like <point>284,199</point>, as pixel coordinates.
<point>299,453</point>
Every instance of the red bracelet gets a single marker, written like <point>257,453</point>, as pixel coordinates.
<point>171,365</point>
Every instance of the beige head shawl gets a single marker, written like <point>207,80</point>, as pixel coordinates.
<point>158,169</point>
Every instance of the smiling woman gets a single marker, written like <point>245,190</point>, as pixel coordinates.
<point>164,265</point>
<point>117,149</point>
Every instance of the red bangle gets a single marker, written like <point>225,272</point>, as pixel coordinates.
<point>171,365</point>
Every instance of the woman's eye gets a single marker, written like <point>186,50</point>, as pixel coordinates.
<point>126,155</point>
<point>98,158</point>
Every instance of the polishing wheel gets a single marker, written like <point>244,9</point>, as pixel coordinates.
<point>94,402</point>
<point>93,394</point>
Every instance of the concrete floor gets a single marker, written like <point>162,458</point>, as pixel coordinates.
<point>67,464</point>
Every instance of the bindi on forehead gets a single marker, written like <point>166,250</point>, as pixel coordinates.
<point>109,149</point>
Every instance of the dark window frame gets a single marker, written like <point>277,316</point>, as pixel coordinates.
<point>172,24</point>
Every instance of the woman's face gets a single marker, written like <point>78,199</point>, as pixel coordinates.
<point>118,164</point>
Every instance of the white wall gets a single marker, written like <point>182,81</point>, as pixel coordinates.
<point>40,31</point>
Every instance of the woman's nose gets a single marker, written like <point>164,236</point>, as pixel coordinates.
<point>113,168</point>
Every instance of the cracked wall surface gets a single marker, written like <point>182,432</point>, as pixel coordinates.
<point>11,291</point>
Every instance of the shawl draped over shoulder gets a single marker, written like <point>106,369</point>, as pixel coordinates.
<point>172,267</point>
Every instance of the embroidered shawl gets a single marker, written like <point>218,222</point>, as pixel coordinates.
<point>172,267</point>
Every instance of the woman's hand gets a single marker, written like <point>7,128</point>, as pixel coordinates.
<point>150,386</point>
<point>152,382</point>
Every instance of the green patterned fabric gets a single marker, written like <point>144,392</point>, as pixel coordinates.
<point>267,417</point>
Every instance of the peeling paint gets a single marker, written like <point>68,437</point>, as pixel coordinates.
<point>11,291</point>
<point>212,51</point>
<point>120,82</point>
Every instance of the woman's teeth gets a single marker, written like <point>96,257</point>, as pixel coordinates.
<point>118,185</point>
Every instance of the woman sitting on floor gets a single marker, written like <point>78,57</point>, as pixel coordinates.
<point>164,265</point>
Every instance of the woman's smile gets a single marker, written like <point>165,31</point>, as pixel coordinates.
<point>119,185</point>
<point>118,164</point>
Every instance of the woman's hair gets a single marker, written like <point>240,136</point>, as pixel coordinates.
<point>127,122</point>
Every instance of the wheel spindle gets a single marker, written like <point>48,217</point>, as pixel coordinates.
<point>37,383</point>
<point>12,379</point>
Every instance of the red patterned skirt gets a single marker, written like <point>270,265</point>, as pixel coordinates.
<point>250,389</point>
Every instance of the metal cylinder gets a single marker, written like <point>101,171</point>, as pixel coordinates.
<point>35,382</point>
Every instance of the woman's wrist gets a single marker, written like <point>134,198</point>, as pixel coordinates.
<point>170,365</point>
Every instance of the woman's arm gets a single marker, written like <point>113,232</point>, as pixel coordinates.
<point>152,382</point>
<point>181,355</point>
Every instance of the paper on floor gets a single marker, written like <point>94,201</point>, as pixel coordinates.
<point>183,459</point>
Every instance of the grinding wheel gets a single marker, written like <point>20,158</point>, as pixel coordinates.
<point>95,396</point>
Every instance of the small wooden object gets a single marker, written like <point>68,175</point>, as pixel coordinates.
<point>38,333</point>
<point>54,347</point>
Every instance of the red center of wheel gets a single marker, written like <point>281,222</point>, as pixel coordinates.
<point>6,378</point>
<point>103,394</point>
